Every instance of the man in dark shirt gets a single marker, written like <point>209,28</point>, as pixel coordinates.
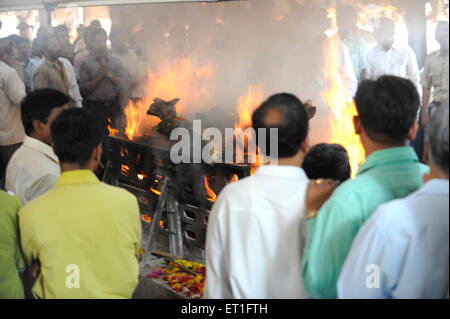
<point>103,81</point>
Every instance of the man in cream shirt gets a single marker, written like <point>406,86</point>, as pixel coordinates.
<point>12,91</point>
<point>34,167</point>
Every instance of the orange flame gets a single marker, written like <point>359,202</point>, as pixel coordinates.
<point>234,178</point>
<point>146,218</point>
<point>211,195</point>
<point>125,168</point>
<point>111,131</point>
<point>279,18</point>
<point>246,105</point>
<point>181,79</point>
<point>342,113</point>
<point>157,192</point>
<point>141,176</point>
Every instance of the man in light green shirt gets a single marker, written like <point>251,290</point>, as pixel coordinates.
<point>84,234</point>
<point>387,110</point>
<point>11,261</point>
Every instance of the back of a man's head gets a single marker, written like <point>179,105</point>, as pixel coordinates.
<point>437,133</point>
<point>38,105</point>
<point>387,109</point>
<point>286,113</point>
<point>327,161</point>
<point>76,133</point>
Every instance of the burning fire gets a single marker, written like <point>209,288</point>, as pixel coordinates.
<point>180,79</point>
<point>210,193</point>
<point>342,113</point>
<point>246,105</point>
<point>234,178</point>
<point>111,131</point>
<point>141,176</point>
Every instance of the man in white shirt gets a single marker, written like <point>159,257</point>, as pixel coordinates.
<point>256,229</point>
<point>12,91</point>
<point>402,250</point>
<point>34,167</point>
<point>389,59</point>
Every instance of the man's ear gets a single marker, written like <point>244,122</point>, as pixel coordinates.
<point>357,125</point>
<point>413,131</point>
<point>37,126</point>
<point>97,154</point>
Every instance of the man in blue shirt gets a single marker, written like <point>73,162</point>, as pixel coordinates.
<point>402,250</point>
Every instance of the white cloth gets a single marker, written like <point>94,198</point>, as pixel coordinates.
<point>407,239</point>
<point>351,83</point>
<point>12,91</point>
<point>256,233</point>
<point>74,89</point>
<point>32,170</point>
<point>397,61</point>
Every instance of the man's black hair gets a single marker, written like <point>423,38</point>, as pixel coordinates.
<point>327,161</point>
<point>286,113</point>
<point>387,108</point>
<point>76,133</point>
<point>38,105</point>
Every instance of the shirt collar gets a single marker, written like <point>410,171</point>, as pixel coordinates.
<point>79,176</point>
<point>281,171</point>
<point>389,156</point>
<point>394,47</point>
<point>435,186</point>
<point>39,146</point>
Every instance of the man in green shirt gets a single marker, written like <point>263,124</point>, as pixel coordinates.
<point>84,234</point>
<point>11,261</point>
<point>387,111</point>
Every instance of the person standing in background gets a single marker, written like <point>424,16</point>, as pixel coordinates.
<point>389,59</point>
<point>347,18</point>
<point>52,73</point>
<point>436,72</point>
<point>12,91</point>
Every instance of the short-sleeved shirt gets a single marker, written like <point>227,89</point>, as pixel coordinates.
<point>12,91</point>
<point>11,261</point>
<point>52,75</point>
<point>435,75</point>
<point>386,175</point>
<point>85,234</point>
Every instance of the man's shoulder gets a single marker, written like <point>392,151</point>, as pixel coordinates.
<point>115,193</point>
<point>28,159</point>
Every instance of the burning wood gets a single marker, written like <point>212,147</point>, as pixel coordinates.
<point>210,193</point>
<point>165,110</point>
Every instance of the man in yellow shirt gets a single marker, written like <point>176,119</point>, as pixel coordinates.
<point>11,261</point>
<point>84,234</point>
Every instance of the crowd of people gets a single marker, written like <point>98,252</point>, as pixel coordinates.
<point>301,228</point>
